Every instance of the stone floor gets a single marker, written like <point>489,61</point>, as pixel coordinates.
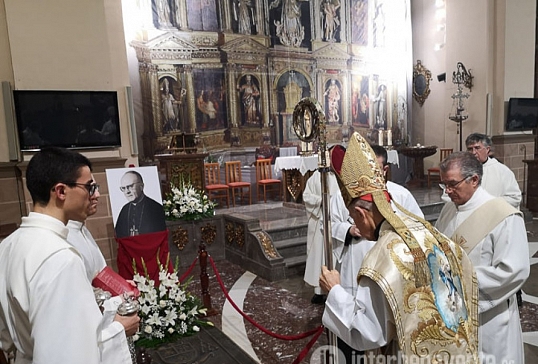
<point>284,307</point>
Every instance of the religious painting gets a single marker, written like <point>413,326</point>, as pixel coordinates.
<point>380,105</point>
<point>210,99</point>
<point>360,101</point>
<point>291,87</point>
<point>333,101</point>
<point>447,290</point>
<point>249,94</point>
<point>173,105</point>
<point>135,200</point>
<point>359,22</point>
<point>202,15</point>
<point>289,23</point>
<point>244,17</point>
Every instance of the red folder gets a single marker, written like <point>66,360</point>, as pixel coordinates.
<point>110,281</point>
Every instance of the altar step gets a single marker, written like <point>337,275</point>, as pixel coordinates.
<point>290,243</point>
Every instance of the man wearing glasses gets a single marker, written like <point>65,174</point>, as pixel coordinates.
<point>493,235</point>
<point>141,214</point>
<point>48,312</point>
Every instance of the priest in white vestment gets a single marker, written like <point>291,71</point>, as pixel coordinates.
<point>94,262</point>
<point>315,250</point>
<point>497,179</point>
<point>494,236</point>
<point>48,312</point>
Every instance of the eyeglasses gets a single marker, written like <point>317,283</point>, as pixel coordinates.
<point>128,187</point>
<point>90,187</point>
<point>452,185</point>
<point>475,148</point>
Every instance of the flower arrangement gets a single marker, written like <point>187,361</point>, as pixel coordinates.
<point>185,202</point>
<point>167,310</point>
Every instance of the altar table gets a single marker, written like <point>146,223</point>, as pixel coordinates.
<point>295,172</point>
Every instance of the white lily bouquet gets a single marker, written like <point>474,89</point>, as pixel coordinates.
<point>167,310</point>
<point>185,202</point>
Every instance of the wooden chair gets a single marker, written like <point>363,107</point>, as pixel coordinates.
<point>215,189</point>
<point>235,182</point>
<point>264,177</point>
<point>434,171</point>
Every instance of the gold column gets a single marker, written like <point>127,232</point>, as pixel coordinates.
<point>156,108</point>
<point>233,105</point>
<point>191,99</point>
<point>182,9</point>
<point>265,96</point>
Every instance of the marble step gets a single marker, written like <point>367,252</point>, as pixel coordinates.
<point>292,247</point>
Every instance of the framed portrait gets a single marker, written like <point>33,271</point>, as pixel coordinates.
<point>120,194</point>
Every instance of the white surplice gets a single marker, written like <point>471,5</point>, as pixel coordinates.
<point>48,309</point>
<point>502,266</point>
<point>82,240</point>
<point>312,197</point>
<point>94,262</point>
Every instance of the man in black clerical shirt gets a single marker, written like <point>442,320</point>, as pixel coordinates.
<point>141,214</point>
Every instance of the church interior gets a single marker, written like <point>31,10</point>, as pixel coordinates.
<point>180,84</point>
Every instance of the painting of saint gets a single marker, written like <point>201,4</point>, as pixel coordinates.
<point>210,99</point>
<point>360,101</point>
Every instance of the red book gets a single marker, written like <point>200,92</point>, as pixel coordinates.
<point>112,282</point>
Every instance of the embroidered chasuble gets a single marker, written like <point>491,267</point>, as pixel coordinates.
<point>438,320</point>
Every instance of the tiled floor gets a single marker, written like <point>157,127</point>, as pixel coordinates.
<point>284,307</point>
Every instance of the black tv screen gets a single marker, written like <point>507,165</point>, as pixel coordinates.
<point>522,114</point>
<point>70,119</point>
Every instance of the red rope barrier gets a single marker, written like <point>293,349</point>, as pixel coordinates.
<point>188,270</point>
<point>317,330</point>
<point>308,346</point>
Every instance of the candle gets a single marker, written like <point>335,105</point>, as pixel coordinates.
<point>389,137</point>
<point>380,137</point>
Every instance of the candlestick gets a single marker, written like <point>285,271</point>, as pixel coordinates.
<point>389,137</point>
<point>380,137</point>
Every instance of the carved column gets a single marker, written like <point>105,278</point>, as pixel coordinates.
<point>232,94</point>
<point>265,96</point>
<point>344,24</point>
<point>317,19</point>
<point>156,108</point>
<point>226,16</point>
<point>181,15</point>
<point>191,102</point>
<point>148,135</point>
<point>260,18</point>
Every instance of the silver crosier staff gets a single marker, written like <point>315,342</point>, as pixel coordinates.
<point>309,125</point>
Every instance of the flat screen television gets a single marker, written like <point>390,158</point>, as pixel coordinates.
<point>69,119</point>
<point>522,114</point>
